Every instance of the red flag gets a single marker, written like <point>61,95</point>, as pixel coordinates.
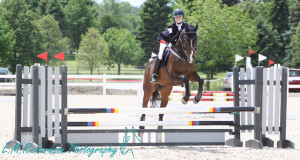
<point>60,56</point>
<point>250,51</point>
<point>271,62</point>
<point>43,56</point>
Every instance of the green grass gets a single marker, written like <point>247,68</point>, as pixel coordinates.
<point>214,85</point>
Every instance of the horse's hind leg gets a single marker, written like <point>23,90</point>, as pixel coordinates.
<point>145,105</point>
<point>148,90</point>
<point>165,93</point>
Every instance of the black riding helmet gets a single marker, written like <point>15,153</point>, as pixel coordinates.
<point>178,12</point>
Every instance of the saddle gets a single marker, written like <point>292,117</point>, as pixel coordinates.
<point>164,61</point>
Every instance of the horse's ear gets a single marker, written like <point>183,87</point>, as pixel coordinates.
<point>196,28</point>
<point>186,27</point>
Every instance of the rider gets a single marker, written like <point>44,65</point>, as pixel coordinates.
<point>166,37</point>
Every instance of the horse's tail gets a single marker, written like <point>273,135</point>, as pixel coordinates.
<point>155,97</point>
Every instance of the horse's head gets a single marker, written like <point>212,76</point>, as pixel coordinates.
<point>188,39</point>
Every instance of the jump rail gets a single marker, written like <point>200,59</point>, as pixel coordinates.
<point>159,110</point>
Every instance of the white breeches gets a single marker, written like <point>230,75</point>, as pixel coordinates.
<point>162,46</point>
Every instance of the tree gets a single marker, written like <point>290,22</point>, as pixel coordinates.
<point>52,39</point>
<point>223,32</point>
<point>33,4</point>
<point>268,43</point>
<point>230,3</point>
<point>7,42</point>
<point>130,17</point>
<point>154,15</point>
<point>64,2</point>
<point>189,3</point>
<point>269,40</point>
<point>109,12</point>
<point>93,49</point>
<point>296,48</point>
<point>123,48</point>
<point>28,40</point>
<point>107,22</point>
<point>294,19</point>
<point>41,8</point>
<point>111,7</point>
<point>52,7</point>
<point>79,15</point>
<point>55,8</point>
<point>125,15</point>
<point>279,15</point>
<point>250,8</point>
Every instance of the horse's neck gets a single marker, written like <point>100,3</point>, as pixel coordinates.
<point>178,48</point>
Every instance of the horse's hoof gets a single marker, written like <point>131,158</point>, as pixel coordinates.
<point>196,101</point>
<point>183,101</point>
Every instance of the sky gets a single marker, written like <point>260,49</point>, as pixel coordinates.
<point>135,3</point>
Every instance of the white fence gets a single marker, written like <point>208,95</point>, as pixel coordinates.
<point>105,81</point>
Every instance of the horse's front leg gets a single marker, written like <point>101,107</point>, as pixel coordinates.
<point>182,78</point>
<point>195,77</point>
<point>187,95</point>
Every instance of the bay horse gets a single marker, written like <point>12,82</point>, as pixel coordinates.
<point>179,70</point>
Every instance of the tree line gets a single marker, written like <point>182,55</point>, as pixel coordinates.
<point>113,33</point>
<point>97,33</point>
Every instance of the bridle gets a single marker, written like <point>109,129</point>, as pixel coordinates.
<point>183,43</point>
<point>184,48</point>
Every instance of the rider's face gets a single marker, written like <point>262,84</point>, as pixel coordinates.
<point>178,19</point>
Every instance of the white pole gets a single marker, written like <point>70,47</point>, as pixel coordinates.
<point>158,110</point>
<point>104,84</point>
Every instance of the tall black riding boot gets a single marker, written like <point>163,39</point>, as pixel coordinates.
<point>154,76</point>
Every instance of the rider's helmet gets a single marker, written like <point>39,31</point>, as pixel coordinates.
<point>178,12</point>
